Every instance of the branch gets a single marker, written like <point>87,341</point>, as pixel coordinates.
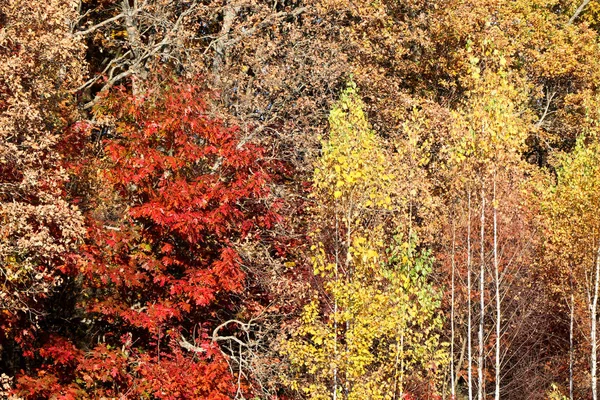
<point>216,338</point>
<point>579,10</point>
<point>100,25</point>
<point>245,328</point>
<point>189,346</point>
<point>270,20</point>
<point>233,338</point>
<point>137,51</point>
<point>98,76</point>
<point>549,97</point>
<point>107,86</point>
<point>165,40</point>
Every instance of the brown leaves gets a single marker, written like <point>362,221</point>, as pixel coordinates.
<point>40,65</point>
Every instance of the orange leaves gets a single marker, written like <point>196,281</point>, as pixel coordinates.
<point>188,193</point>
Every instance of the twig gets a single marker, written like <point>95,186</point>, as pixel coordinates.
<point>579,10</point>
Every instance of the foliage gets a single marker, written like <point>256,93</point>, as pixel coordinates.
<point>379,330</point>
<point>571,230</point>
<point>161,264</point>
<point>40,230</point>
<point>149,249</point>
<point>555,394</point>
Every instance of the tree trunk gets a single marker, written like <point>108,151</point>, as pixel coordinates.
<point>572,315</point>
<point>335,309</point>
<point>593,316</point>
<point>481,300</point>
<point>229,14</point>
<point>461,358</point>
<point>452,388</point>
<point>497,279</point>
<point>135,43</point>
<point>469,305</point>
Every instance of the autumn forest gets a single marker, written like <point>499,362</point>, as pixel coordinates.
<point>299,199</point>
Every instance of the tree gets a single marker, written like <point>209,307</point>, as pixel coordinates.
<point>485,160</point>
<point>41,229</point>
<point>572,237</point>
<point>373,332</point>
<point>162,265</point>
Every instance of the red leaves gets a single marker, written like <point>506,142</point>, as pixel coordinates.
<point>226,268</point>
<point>178,376</point>
<point>178,192</point>
<point>191,190</point>
<point>124,372</point>
<point>60,351</point>
<point>188,192</point>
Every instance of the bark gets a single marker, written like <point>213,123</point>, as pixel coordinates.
<point>469,305</point>
<point>572,315</point>
<point>133,37</point>
<point>593,333</point>
<point>497,279</point>
<point>579,10</point>
<point>461,358</point>
<point>452,380</point>
<point>335,309</point>
<point>229,15</point>
<point>481,301</point>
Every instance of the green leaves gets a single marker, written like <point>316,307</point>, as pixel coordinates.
<point>378,320</point>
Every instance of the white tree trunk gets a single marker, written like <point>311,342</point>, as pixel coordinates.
<point>481,301</point>
<point>593,338</point>
<point>335,310</point>
<point>572,317</point>
<point>469,305</point>
<point>452,388</point>
<point>497,279</point>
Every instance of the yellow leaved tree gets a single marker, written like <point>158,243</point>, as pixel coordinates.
<point>371,330</point>
<point>572,244</point>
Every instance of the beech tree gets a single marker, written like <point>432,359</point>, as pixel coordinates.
<point>40,230</point>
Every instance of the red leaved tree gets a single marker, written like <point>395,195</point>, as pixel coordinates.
<point>176,195</point>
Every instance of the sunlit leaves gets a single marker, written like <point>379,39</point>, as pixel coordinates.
<point>183,192</point>
<point>376,330</point>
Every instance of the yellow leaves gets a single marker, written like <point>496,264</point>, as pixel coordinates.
<point>367,302</point>
<point>353,170</point>
<point>371,254</point>
<point>570,208</point>
<point>489,132</point>
<point>502,61</point>
<point>385,331</point>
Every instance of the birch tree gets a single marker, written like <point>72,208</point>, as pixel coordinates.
<point>374,332</point>
<point>573,239</point>
<point>488,139</point>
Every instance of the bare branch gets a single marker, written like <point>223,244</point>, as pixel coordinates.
<point>189,346</point>
<point>98,76</point>
<point>110,83</point>
<point>245,327</point>
<point>549,97</point>
<point>268,21</point>
<point>99,25</point>
<point>579,10</point>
